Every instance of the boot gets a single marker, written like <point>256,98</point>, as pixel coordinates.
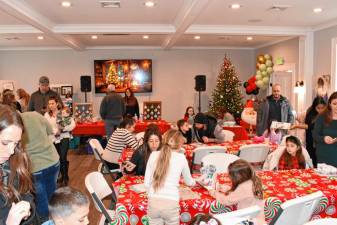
<point>61,176</point>
<point>65,174</point>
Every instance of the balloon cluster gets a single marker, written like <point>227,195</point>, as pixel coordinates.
<point>264,68</point>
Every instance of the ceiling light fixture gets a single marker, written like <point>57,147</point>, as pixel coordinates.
<point>317,10</point>
<point>149,4</point>
<point>249,38</point>
<point>94,37</point>
<point>196,37</point>
<point>145,36</point>
<point>235,6</point>
<point>40,37</point>
<point>66,4</point>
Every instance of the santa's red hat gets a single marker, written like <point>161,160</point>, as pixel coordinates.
<point>249,104</point>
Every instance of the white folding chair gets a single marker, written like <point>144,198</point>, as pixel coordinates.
<point>202,151</point>
<point>241,214</point>
<point>139,135</point>
<point>99,153</point>
<point>221,161</point>
<point>326,221</point>
<point>95,144</point>
<point>229,135</point>
<point>99,189</point>
<point>297,211</point>
<point>255,153</point>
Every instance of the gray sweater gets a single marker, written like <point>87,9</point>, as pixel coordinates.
<point>112,107</point>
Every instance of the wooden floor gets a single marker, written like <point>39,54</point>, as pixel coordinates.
<point>80,164</point>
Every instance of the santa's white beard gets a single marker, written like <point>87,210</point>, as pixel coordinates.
<point>247,117</point>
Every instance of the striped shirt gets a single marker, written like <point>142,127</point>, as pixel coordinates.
<point>119,140</point>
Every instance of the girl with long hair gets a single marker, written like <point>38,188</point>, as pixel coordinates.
<point>163,171</point>
<point>189,115</point>
<point>23,99</point>
<point>325,133</point>
<point>51,115</point>
<point>245,191</point>
<point>292,157</point>
<point>131,103</point>
<point>15,177</point>
<point>152,142</point>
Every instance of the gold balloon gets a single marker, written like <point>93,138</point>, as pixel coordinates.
<point>257,66</point>
<point>261,59</point>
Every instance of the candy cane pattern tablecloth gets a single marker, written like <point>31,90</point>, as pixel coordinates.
<point>278,187</point>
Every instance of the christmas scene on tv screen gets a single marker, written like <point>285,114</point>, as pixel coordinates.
<point>127,73</point>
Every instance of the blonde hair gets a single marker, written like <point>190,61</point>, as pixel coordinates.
<point>172,139</point>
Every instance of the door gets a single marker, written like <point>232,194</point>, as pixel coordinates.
<point>285,79</point>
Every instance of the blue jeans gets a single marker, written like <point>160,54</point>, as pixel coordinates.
<point>45,185</point>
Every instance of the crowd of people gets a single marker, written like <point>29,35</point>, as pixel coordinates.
<point>35,133</point>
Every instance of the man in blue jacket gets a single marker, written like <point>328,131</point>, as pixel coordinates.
<point>274,108</point>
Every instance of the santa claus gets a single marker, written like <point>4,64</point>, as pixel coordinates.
<point>248,114</point>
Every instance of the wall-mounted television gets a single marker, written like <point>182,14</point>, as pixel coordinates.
<point>123,73</point>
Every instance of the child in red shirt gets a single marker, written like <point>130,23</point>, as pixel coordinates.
<point>292,158</point>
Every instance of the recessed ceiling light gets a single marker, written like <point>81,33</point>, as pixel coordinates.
<point>145,36</point>
<point>40,37</point>
<point>317,10</point>
<point>235,6</point>
<point>249,38</point>
<point>149,4</point>
<point>66,4</point>
<point>196,37</point>
<point>94,37</point>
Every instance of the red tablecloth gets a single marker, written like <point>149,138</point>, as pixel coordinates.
<point>239,131</point>
<point>96,128</point>
<point>232,148</point>
<point>278,187</point>
<point>162,124</point>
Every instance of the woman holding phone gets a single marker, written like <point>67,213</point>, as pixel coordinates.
<point>325,133</point>
<point>152,142</point>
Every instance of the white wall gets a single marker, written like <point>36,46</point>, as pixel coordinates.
<point>322,51</point>
<point>173,72</point>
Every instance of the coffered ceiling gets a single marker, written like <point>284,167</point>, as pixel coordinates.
<point>169,24</point>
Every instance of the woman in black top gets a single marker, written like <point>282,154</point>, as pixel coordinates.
<point>132,107</point>
<point>185,129</point>
<point>318,106</point>
<point>152,142</point>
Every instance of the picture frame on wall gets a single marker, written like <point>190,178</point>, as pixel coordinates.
<point>66,90</point>
<point>8,85</point>
<point>56,89</point>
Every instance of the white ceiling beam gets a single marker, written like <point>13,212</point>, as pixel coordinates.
<point>247,30</point>
<point>26,14</point>
<point>114,28</point>
<point>18,29</point>
<point>185,17</point>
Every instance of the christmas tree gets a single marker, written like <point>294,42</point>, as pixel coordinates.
<point>227,96</point>
<point>112,77</point>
